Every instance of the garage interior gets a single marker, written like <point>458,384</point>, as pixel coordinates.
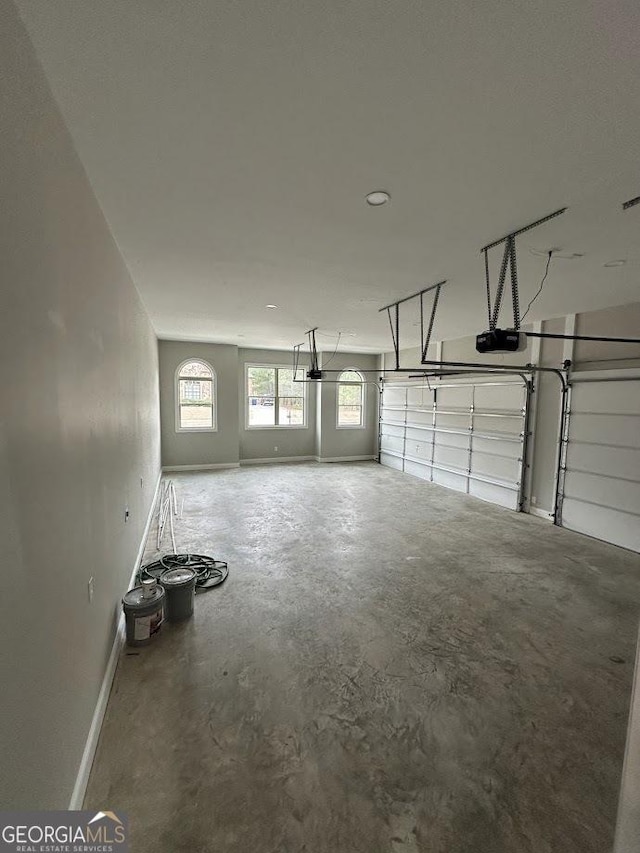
<point>427,638</point>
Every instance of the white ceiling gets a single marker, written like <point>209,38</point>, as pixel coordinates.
<point>231,145</point>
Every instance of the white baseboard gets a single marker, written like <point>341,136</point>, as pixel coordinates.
<point>541,513</point>
<point>269,459</point>
<point>82,779</point>
<point>209,467</point>
<point>344,458</point>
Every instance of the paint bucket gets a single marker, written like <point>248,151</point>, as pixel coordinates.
<point>144,612</point>
<point>180,587</point>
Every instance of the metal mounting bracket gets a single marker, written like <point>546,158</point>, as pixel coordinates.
<point>394,318</point>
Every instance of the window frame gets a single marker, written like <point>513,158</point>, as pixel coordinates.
<point>214,396</point>
<point>363,405</point>
<point>247,407</point>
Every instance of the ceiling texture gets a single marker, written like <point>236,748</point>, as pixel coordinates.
<point>231,144</point>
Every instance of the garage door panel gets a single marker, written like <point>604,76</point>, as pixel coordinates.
<point>499,397</point>
<point>419,434</point>
<point>450,479</point>
<point>417,469</point>
<point>602,523</point>
<point>452,421</point>
<point>451,457</point>
<point>439,438</point>
<point>488,423</point>
<point>612,461</point>
<point>619,494</point>
<point>494,493</point>
<point>455,398</point>
<point>607,397</point>
<point>392,416</point>
<point>391,461</point>
<point>394,396</point>
<point>418,449</point>
<point>496,467</point>
<point>453,439</point>
<point>601,483</point>
<point>419,418</point>
<point>514,436</point>
<point>420,398</point>
<point>619,430</point>
<point>392,442</point>
<point>512,449</point>
<point>392,429</point>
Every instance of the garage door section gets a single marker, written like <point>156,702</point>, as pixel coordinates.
<point>468,436</point>
<point>600,489</point>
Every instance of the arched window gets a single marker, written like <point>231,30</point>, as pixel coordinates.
<point>351,391</point>
<point>195,396</point>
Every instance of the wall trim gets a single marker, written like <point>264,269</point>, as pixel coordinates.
<point>208,467</point>
<point>269,459</point>
<point>86,762</point>
<point>541,513</point>
<point>367,458</point>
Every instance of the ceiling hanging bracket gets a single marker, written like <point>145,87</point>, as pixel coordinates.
<point>511,339</point>
<point>393,313</point>
<point>314,371</point>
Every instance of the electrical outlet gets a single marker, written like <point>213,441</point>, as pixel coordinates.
<point>90,590</point>
<point>534,500</point>
<point>141,483</point>
<point>276,449</point>
<point>126,514</point>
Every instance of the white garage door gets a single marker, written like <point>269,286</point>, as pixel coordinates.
<point>468,436</point>
<point>601,478</point>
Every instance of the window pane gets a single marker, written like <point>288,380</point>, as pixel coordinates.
<point>196,416</point>
<point>350,376</point>
<point>290,411</point>
<point>349,415</point>
<point>261,381</point>
<point>195,368</point>
<point>286,386</point>
<point>196,390</point>
<point>262,411</point>
<point>350,395</point>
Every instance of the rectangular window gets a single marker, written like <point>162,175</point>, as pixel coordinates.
<point>274,398</point>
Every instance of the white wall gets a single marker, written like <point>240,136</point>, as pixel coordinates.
<point>200,448</point>
<point>335,442</point>
<point>261,443</point>
<point>233,443</point>
<point>78,429</point>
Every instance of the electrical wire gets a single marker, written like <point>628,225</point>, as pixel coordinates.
<point>544,278</point>
<point>334,352</point>
<point>209,572</point>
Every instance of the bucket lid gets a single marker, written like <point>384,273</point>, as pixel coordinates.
<point>178,577</point>
<point>139,596</point>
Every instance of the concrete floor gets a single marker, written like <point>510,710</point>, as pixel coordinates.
<point>390,666</point>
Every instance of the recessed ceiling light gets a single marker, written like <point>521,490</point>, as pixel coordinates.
<point>272,307</point>
<point>377,197</point>
<point>619,263</point>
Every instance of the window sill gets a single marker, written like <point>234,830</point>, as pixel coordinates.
<point>276,426</point>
